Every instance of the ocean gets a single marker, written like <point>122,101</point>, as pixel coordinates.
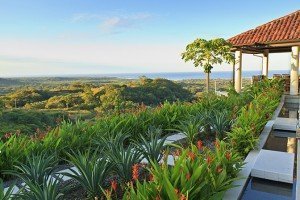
<point>190,75</point>
<point>167,75</point>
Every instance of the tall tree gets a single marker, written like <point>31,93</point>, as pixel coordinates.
<point>207,53</point>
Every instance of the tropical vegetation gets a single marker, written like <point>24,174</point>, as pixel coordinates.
<point>124,156</point>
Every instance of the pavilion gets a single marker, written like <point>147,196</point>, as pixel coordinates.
<point>277,36</point>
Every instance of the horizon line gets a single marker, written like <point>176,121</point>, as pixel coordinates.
<point>113,75</point>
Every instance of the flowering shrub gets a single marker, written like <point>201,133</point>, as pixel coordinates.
<point>198,173</point>
<point>253,117</point>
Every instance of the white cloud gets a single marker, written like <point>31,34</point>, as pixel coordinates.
<point>82,17</point>
<point>116,23</point>
<point>112,22</point>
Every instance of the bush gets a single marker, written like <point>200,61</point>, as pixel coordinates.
<point>196,174</point>
<point>253,117</point>
<point>92,172</point>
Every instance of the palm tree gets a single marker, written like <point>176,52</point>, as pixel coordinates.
<point>206,53</point>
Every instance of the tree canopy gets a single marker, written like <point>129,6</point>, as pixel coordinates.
<point>207,53</point>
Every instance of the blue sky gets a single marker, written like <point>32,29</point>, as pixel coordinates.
<point>50,37</point>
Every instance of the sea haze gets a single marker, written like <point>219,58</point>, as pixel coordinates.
<point>167,75</point>
<point>181,75</point>
<point>192,75</point>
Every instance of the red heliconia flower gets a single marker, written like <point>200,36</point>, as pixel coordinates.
<point>217,144</point>
<point>114,185</point>
<point>183,197</point>
<point>209,160</point>
<point>199,145</point>
<point>135,172</point>
<point>219,169</point>
<point>228,155</point>
<point>41,136</point>
<point>191,155</point>
<point>177,152</point>
<point>7,135</point>
<point>151,177</point>
<point>188,176</point>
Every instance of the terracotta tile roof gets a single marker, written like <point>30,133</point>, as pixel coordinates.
<point>286,28</point>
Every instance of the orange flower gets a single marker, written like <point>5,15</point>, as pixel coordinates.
<point>209,160</point>
<point>191,155</point>
<point>228,155</point>
<point>177,152</point>
<point>183,197</point>
<point>217,144</point>
<point>188,176</point>
<point>135,172</point>
<point>199,145</point>
<point>114,185</point>
<point>176,191</point>
<point>41,136</point>
<point>151,177</point>
<point>219,169</point>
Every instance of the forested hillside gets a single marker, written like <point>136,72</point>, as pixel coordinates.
<point>42,105</point>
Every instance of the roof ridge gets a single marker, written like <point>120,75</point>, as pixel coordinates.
<point>285,16</point>
<point>252,29</point>
<point>282,28</point>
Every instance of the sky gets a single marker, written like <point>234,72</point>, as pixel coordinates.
<point>59,37</point>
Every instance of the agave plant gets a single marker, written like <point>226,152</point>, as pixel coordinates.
<point>109,142</point>
<point>220,123</point>
<point>91,171</point>
<point>6,194</point>
<point>37,169</point>
<point>123,159</point>
<point>151,149</point>
<point>48,190</point>
<point>191,129</point>
<point>113,125</point>
<point>203,118</point>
